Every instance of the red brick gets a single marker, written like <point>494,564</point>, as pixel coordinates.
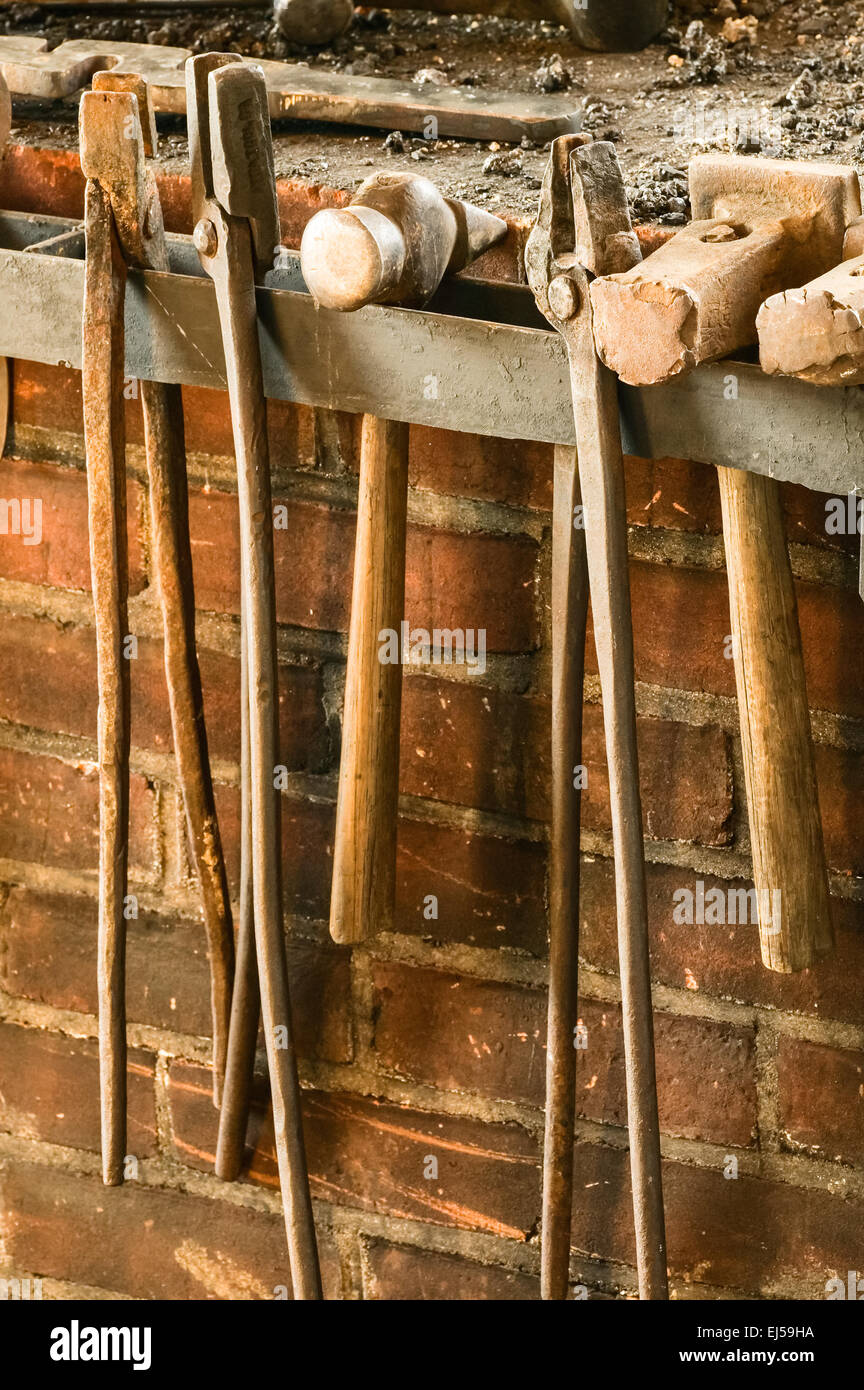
<point>477,746</point>
<point>307,850</point>
<point>723,961</point>
<point>49,397</point>
<point>673,494</point>
<point>490,891</point>
<point>463,1034</point>
<point>49,814</point>
<point>743,1233</point>
<point>371,1154</point>
<point>453,580</point>
<point>840,774</point>
<point>146,1242</point>
<point>49,1089</point>
<point>822,1098</point>
<point>35,179</point>
<point>62,560</point>
<point>52,685</point>
<point>403,1272</point>
<point>514,471</point>
<point>48,950</point>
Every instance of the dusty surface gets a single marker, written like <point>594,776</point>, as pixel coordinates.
<point>788,81</point>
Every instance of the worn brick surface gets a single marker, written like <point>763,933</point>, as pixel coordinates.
<point>49,952</point>
<point>62,559</point>
<point>49,1089</point>
<point>49,814</point>
<point>406,1273</point>
<point>489,891</point>
<point>822,1098</point>
<point>144,1241</point>
<point>744,1233</point>
<point>463,1034</point>
<point>452,580</point>
<point>51,684</point>
<point>372,1154</point>
<point>478,746</point>
<point>721,960</point>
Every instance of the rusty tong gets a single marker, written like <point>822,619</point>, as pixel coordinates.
<point>236,236</point>
<point>583,229</point>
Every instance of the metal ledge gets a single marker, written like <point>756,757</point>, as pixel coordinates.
<point>474,361</point>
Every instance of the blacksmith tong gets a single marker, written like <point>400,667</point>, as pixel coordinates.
<point>584,230</point>
<point>236,235</point>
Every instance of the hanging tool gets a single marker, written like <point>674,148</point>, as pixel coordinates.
<point>117,131</point>
<point>583,229</point>
<point>103,359</point>
<point>236,235</point>
<point>760,226</point>
<point>393,244</point>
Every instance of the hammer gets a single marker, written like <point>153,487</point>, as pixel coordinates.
<point>760,226</point>
<point>393,244</point>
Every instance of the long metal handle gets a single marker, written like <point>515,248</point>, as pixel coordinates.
<point>601,473</point>
<point>105,445</point>
<point>162,409</point>
<point>569,622</point>
<point>233,275</point>
<point>246,1003</point>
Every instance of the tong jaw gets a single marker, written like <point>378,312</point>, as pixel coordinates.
<point>231,150</point>
<point>583,225</point>
<point>117,129</point>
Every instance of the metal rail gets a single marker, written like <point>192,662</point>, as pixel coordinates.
<point>477,360</point>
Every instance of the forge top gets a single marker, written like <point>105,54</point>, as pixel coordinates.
<point>792,92</point>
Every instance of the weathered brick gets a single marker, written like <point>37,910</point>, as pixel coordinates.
<point>452,580</point>
<point>743,1233</point>
<point>48,953</point>
<point>52,685</point>
<point>822,1098</point>
<point>372,1154</point>
<point>62,559</point>
<point>36,179</point>
<point>49,814</point>
<point>489,891</point>
<point>404,1272</point>
<point>49,1089</point>
<point>477,746</point>
<point>721,960</point>
<point>515,471</point>
<point>840,774</point>
<point>307,850</point>
<point>463,1034</point>
<point>147,1242</point>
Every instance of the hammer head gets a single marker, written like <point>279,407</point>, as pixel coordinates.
<point>393,244</point>
<point>761,225</point>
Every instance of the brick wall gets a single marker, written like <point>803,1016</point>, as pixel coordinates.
<point>429,1042</point>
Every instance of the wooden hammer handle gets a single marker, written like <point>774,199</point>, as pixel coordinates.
<point>785,827</point>
<point>364,851</point>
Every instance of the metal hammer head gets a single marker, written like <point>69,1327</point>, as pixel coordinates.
<point>761,225</point>
<point>393,244</point>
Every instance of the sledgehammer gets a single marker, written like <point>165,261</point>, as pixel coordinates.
<point>760,226</point>
<point>393,244</point>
